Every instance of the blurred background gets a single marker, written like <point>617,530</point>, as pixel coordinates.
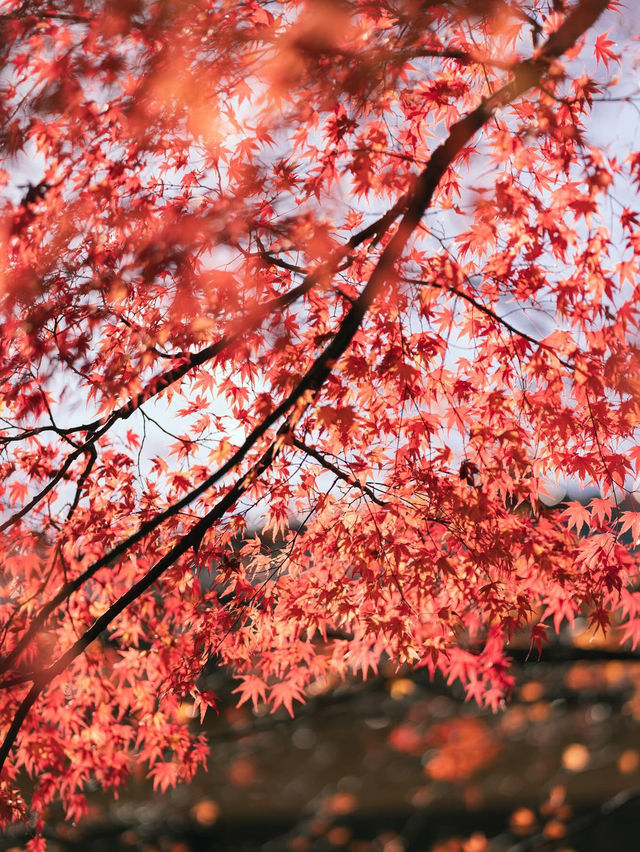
<point>399,763</point>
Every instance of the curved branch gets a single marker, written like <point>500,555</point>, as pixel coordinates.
<point>350,480</point>
<point>13,519</point>
<point>492,315</point>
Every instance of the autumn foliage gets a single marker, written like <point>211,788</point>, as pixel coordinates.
<point>359,274</point>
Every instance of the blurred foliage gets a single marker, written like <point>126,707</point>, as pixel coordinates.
<point>400,763</point>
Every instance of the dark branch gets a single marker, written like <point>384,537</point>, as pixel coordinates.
<point>492,314</point>
<point>345,477</point>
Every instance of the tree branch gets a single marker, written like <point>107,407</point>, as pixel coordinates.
<point>350,480</point>
<point>492,314</point>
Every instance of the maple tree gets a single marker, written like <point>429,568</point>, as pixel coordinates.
<point>263,270</point>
